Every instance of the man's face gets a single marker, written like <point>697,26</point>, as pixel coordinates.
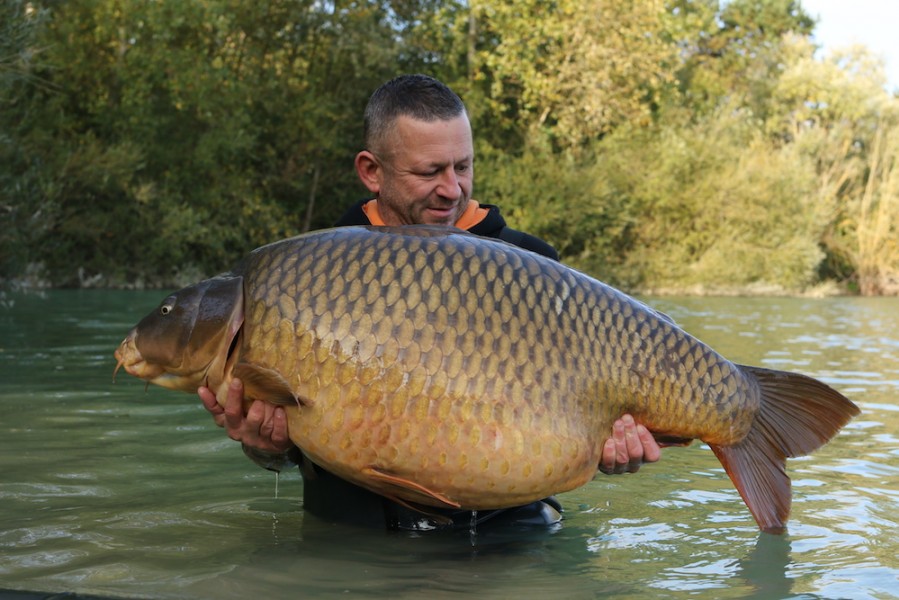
<point>426,172</point>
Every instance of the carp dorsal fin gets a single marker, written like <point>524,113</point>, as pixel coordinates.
<point>406,486</point>
<point>664,316</point>
<point>261,383</point>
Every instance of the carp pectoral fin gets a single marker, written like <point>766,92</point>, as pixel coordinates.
<point>260,383</point>
<point>406,485</point>
<point>797,415</point>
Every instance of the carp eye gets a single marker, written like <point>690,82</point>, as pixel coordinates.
<point>167,307</point>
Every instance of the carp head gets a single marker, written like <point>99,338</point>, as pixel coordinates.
<point>190,339</point>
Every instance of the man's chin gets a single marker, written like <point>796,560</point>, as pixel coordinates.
<point>440,217</point>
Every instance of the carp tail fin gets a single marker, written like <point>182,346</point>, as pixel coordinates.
<point>797,415</point>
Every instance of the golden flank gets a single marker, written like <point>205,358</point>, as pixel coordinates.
<point>438,368</point>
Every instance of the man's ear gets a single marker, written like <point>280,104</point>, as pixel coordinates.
<point>369,170</point>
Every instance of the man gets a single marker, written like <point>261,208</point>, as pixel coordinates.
<point>418,163</point>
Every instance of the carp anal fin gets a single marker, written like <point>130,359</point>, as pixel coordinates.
<point>407,486</point>
<point>797,415</point>
<point>667,440</point>
<point>261,383</point>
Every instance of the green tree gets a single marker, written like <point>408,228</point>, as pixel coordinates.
<point>22,205</point>
<point>641,120</point>
<point>733,55</point>
<point>568,70</point>
<point>839,116</point>
<point>685,144</point>
<point>168,138</point>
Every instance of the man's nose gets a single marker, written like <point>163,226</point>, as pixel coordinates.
<point>448,186</point>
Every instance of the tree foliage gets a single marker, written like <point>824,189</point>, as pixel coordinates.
<point>683,145</point>
<point>571,69</point>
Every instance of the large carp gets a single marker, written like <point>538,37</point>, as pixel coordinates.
<point>438,368</point>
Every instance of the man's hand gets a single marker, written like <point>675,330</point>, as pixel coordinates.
<point>630,446</point>
<point>264,427</point>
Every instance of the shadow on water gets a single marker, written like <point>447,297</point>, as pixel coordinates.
<point>765,569</point>
<point>502,563</point>
<point>328,560</point>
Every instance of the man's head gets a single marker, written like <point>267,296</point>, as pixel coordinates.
<point>418,157</point>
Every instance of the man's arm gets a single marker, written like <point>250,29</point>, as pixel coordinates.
<point>264,428</point>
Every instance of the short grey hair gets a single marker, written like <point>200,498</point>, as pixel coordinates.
<point>418,96</point>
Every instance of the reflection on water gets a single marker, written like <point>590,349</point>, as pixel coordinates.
<point>117,491</point>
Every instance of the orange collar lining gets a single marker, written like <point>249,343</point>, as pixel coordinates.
<point>473,214</point>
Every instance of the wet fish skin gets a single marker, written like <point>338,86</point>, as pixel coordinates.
<point>409,351</point>
<point>443,369</point>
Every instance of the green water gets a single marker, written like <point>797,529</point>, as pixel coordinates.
<point>110,490</point>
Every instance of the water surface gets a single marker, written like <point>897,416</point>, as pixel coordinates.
<point>117,491</point>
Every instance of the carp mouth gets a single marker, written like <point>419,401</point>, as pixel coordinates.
<point>127,355</point>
